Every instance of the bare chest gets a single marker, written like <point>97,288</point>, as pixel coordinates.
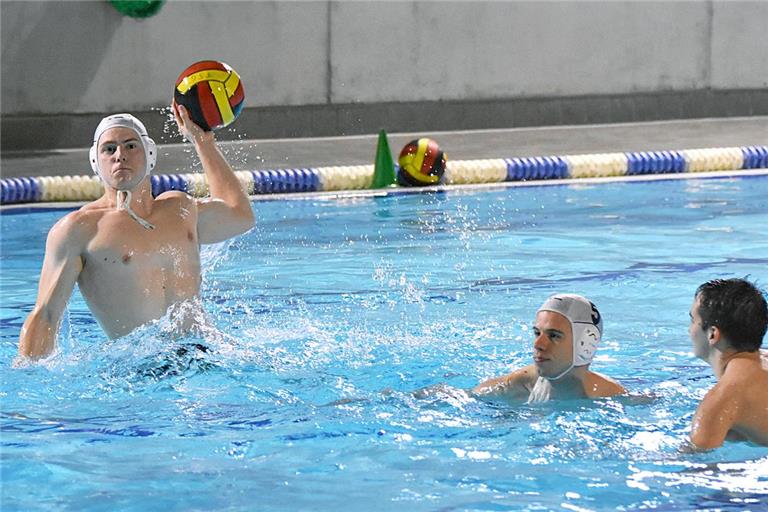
<point>123,248</point>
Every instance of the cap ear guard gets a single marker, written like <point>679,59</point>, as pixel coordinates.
<point>94,158</point>
<point>150,150</point>
<point>585,340</point>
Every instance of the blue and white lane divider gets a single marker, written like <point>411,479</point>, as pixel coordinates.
<point>19,190</point>
<point>356,177</point>
<point>280,181</point>
<point>536,168</point>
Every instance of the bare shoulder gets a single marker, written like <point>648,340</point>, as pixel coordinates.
<point>603,386</point>
<point>719,403</point>
<point>714,416</point>
<point>519,381</point>
<point>77,226</point>
<point>177,198</point>
<point>748,379</point>
<point>730,392</point>
<point>175,195</point>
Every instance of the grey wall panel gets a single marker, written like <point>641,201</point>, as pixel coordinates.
<point>740,45</point>
<point>458,50</point>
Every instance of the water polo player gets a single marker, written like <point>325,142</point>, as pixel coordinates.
<point>729,318</point>
<point>567,331</point>
<point>135,257</point>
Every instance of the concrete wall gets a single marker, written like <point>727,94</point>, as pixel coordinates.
<point>78,57</point>
<point>320,65</point>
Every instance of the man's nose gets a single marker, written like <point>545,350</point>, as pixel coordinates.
<point>540,342</point>
<point>119,154</point>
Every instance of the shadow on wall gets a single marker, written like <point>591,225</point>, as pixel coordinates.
<point>68,67</point>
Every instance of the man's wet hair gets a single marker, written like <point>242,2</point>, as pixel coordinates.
<point>736,307</point>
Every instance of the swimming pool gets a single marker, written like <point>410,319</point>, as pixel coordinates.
<point>336,310</point>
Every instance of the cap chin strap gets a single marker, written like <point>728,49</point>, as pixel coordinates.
<point>124,203</point>
<point>561,374</point>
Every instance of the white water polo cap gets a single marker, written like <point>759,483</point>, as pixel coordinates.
<point>586,324</point>
<point>124,121</point>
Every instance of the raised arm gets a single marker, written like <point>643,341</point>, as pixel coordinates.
<point>228,211</point>
<point>61,267</point>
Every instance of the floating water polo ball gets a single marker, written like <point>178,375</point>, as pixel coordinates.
<point>421,162</point>
<point>212,93</point>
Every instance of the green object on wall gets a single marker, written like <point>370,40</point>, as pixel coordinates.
<point>137,8</point>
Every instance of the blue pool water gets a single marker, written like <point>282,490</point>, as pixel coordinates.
<point>329,315</point>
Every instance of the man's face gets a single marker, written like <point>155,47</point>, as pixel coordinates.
<point>553,343</point>
<point>699,335</point>
<point>122,162</point>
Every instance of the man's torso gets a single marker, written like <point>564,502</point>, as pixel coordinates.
<point>132,275</point>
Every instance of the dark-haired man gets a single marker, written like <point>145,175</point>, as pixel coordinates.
<point>729,318</point>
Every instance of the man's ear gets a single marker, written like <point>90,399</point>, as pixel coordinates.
<point>714,335</point>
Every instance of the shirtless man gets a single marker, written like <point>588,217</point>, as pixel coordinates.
<point>728,322</point>
<point>567,331</point>
<point>135,257</point>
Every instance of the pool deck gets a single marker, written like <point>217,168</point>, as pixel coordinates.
<point>253,154</point>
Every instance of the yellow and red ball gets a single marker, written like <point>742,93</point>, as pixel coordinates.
<point>212,92</point>
<point>421,163</point>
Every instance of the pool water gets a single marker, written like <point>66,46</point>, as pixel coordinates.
<point>327,317</point>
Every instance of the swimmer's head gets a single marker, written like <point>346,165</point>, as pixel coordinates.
<point>124,121</point>
<point>586,325</point>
